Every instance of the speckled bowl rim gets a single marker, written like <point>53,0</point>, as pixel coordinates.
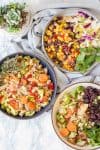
<point>55,107</point>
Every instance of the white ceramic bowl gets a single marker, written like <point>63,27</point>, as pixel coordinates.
<point>67,12</point>
<point>25,28</point>
<point>55,109</point>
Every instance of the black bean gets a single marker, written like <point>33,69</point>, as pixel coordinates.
<point>90,94</point>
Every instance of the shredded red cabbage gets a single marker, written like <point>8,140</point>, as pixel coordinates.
<point>83,14</point>
<point>87,25</point>
<point>88,37</point>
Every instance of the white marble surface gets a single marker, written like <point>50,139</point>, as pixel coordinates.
<point>34,134</point>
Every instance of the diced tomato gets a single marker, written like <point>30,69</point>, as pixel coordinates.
<point>34,84</point>
<point>44,99</point>
<point>14,104</point>
<point>34,94</point>
<point>30,88</point>
<point>1,98</point>
<point>51,86</point>
<point>55,36</point>
<point>29,76</point>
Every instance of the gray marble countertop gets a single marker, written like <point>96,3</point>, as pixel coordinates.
<point>38,133</point>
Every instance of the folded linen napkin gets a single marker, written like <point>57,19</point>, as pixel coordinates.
<point>40,20</point>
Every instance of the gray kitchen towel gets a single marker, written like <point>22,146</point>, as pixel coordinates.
<point>40,20</point>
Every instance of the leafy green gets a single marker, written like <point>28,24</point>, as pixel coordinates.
<point>74,94</point>
<point>90,49</point>
<point>97,58</point>
<point>1,20</point>
<point>77,91</point>
<point>81,57</point>
<point>67,99</point>
<point>60,118</point>
<point>80,89</point>
<point>94,135</point>
<point>86,58</point>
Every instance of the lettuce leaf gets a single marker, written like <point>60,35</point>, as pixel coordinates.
<point>86,58</point>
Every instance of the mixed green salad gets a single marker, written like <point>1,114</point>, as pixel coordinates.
<point>25,86</point>
<point>86,58</point>
<point>78,116</point>
<point>13,16</point>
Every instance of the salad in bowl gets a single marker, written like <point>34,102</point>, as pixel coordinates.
<point>15,18</point>
<point>76,116</point>
<point>72,40</point>
<point>27,85</point>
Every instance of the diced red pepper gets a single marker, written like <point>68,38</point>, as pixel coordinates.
<point>34,94</point>
<point>29,76</point>
<point>1,98</point>
<point>51,86</point>
<point>34,84</point>
<point>55,36</point>
<point>87,25</point>
<point>63,36</point>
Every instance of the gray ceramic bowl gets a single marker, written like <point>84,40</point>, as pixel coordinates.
<point>51,72</point>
